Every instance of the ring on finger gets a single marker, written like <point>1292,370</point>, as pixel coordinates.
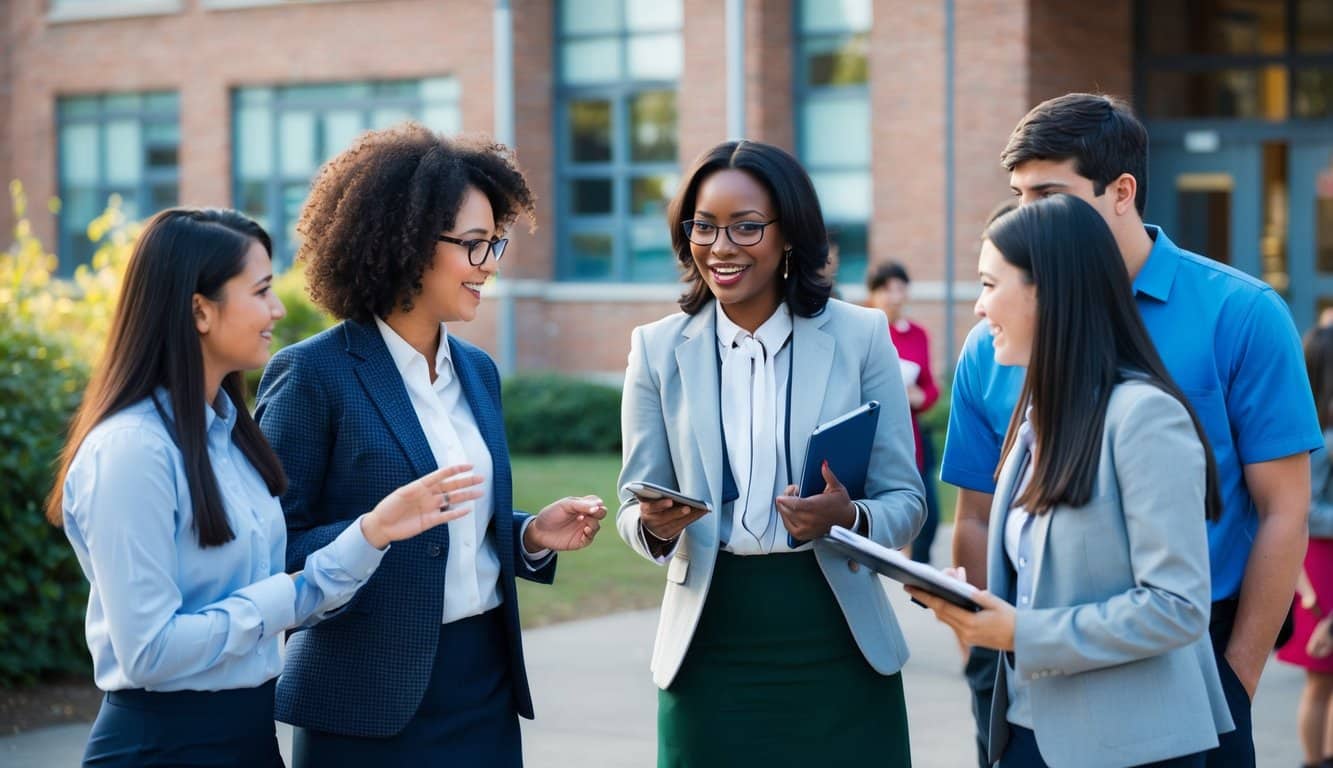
<point>446,504</point>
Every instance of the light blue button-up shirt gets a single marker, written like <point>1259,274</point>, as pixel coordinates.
<point>165,614</point>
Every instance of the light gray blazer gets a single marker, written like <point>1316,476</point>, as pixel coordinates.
<point>1115,648</point>
<point>671,425</point>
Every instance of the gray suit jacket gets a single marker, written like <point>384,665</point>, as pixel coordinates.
<point>1115,649</point>
<point>672,436</point>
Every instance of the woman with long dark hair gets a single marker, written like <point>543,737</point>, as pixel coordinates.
<point>770,651</point>
<point>1098,551</point>
<point>168,492</point>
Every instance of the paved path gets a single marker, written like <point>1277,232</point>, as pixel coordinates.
<point>596,705</point>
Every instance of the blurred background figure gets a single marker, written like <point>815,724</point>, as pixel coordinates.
<point>888,287</point>
<point>1311,643</point>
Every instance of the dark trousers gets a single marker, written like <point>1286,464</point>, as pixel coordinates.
<point>1022,753</point>
<point>1236,748</point>
<point>466,719</point>
<point>185,728</point>
<point>982,664</point>
<point>925,538</point>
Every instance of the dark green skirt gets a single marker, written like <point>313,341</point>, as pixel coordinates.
<point>773,678</point>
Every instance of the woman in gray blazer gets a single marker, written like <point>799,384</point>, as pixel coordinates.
<point>1098,557</point>
<point>769,651</point>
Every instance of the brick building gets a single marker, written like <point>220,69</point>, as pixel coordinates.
<point>898,107</point>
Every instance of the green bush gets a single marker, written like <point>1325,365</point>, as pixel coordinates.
<point>43,594</point>
<point>546,413</point>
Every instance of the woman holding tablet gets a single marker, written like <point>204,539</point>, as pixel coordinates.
<point>766,653</point>
<point>1098,556</point>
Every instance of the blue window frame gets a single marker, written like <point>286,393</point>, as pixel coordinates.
<point>832,94</point>
<point>124,144</point>
<point>618,64</point>
<point>284,134</point>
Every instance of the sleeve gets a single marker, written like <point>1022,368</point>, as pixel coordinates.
<point>926,378</point>
<point>895,498</point>
<point>537,567</point>
<point>643,431</point>
<point>971,449</point>
<point>1321,495</point>
<point>124,504</point>
<point>293,411</point>
<point>1159,465</point>
<point>334,572</point>
<point>1269,401</point>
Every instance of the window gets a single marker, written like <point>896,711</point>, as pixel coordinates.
<point>122,144</point>
<point>833,120</point>
<point>79,10</point>
<point>619,62</point>
<point>1250,59</point>
<point>283,134</point>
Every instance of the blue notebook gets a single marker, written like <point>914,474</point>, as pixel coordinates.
<point>844,442</point>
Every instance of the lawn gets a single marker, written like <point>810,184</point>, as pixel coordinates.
<point>606,577</point>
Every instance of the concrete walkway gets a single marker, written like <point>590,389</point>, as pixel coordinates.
<point>596,705</point>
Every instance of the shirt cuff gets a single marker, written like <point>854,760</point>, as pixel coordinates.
<point>353,554</point>
<point>534,560</point>
<point>643,539</point>
<point>275,600</point>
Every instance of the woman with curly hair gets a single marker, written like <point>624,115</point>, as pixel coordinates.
<point>401,233</point>
<point>772,649</point>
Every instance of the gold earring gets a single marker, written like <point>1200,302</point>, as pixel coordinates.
<point>786,264</point>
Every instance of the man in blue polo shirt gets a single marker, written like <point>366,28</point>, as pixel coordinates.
<point>1227,340</point>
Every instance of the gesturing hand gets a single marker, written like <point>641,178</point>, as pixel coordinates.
<point>811,518</point>
<point>664,520</point>
<point>422,504</point>
<point>567,524</point>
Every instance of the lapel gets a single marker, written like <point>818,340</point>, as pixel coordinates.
<point>384,385</point>
<point>999,570</point>
<point>468,368</point>
<point>814,350</point>
<point>696,360</point>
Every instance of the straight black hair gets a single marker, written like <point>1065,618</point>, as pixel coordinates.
<point>154,343</point>
<point>1088,336</point>
<point>798,214</point>
<point>1099,132</point>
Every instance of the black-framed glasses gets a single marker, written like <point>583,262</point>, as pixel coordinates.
<point>478,249</point>
<point>742,233</point>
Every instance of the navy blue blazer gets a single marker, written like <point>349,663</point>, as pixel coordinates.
<point>336,410</point>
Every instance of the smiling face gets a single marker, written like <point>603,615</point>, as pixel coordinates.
<point>451,288</point>
<point>1008,303</point>
<point>743,278</point>
<point>236,330</point>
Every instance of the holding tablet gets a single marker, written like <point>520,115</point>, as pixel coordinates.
<point>653,491</point>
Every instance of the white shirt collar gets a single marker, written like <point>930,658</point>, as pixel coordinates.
<point>404,354</point>
<point>772,334</point>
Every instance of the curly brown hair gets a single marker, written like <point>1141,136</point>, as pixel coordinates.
<point>370,223</point>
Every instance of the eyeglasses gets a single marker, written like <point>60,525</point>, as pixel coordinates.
<point>740,233</point>
<point>478,249</point>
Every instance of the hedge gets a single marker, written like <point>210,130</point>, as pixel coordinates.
<point>547,413</point>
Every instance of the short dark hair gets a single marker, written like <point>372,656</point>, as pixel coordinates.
<point>1319,366</point>
<point>882,273</point>
<point>1088,333</point>
<point>154,343</point>
<point>1099,132</point>
<point>798,215</point>
<point>370,224</point>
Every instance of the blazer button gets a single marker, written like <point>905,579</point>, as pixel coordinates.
<point>434,550</point>
<point>853,566</point>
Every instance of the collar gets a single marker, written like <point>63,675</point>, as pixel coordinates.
<point>222,414</point>
<point>405,355</point>
<point>772,334</point>
<point>1159,271</point>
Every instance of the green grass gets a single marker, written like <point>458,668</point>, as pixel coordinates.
<point>606,577</point>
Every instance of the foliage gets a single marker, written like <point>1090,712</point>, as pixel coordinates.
<point>546,413</point>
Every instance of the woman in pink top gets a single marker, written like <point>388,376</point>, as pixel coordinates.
<point>888,286</point>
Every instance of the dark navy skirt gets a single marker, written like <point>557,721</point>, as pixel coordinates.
<point>466,719</point>
<point>185,728</point>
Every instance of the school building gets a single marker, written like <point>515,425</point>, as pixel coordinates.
<point>899,109</point>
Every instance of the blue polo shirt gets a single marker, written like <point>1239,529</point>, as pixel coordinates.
<point>1230,344</point>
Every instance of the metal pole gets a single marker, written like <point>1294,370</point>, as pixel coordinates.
<point>505,333</point>
<point>949,171</point>
<point>735,69</point>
